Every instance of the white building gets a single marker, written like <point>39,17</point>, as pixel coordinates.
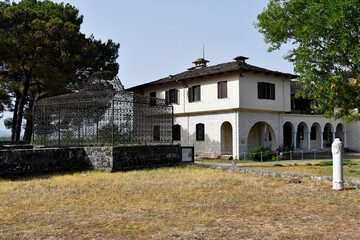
<point>230,108</point>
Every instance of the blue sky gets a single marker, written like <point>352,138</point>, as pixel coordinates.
<point>162,37</point>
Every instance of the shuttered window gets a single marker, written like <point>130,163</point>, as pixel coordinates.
<point>194,93</point>
<point>222,89</point>
<point>172,96</point>
<point>200,132</point>
<point>176,130</point>
<point>266,90</point>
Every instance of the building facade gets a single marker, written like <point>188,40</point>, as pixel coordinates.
<point>231,108</point>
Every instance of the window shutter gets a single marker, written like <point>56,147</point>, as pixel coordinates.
<point>224,90</point>
<point>260,90</point>
<point>190,94</point>
<point>219,90</point>
<point>272,91</point>
<point>177,96</point>
<point>198,93</point>
<point>200,132</point>
<point>167,97</point>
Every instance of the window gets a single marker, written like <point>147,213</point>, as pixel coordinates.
<point>200,132</point>
<point>156,133</point>
<point>313,133</point>
<point>194,93</point>
<point>222,89</point>
<point>152,98</point>
<point>266,90</point>
<point>172,96</point>
<point>176,131</point>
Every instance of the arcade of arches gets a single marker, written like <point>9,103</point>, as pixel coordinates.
<point>315,136</point>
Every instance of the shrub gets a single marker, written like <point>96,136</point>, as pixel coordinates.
<point>278,165</point>
<point>284,152</point>
<point>256,153</point>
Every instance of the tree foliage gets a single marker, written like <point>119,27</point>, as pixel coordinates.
<point>44,54</point>
<point>325,38</point>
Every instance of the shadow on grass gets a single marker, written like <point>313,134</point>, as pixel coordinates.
<point>45,175</point>
<point>50,174</point>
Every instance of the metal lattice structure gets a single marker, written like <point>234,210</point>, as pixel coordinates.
<point>103,113</point>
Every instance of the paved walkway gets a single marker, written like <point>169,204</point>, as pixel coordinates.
<point>239,163</point>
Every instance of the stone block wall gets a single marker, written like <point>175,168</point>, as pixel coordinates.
<point>99,157</point>
<point>18,162</point>
<point>145,156</point>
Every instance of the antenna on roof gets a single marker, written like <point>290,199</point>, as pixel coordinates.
<point>203,51</point>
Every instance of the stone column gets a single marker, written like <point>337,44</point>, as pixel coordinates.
<point>337,150</point>
<point>321,140</point>
<point>333,136</point>
<point>294,139</point>
<point>344,140</point>
<point>308,140</point>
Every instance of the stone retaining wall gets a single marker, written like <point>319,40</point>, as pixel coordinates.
<point>131,157</point>
<point>38,161</point>
<point>34,161</point>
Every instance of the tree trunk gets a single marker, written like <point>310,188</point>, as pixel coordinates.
<point>28,129</point>
<point>29,123</point>
<point>15,117</point>
<point>22,103</point>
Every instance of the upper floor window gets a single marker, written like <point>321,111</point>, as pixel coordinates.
<point>152,98</point>
<point>176,131</point>
<point>200,132</point>
<point>172,96</point>
<point>266,90</point>
<point>222,89</point>
<point>194,93</point>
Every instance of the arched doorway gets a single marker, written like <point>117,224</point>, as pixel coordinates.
<point>340,131</point>
<point>328,135</point>
<point>301,136</point>
<point>261,134</point>
<point>288,129</point>
<point>226,139</point>
<point>315,135</point>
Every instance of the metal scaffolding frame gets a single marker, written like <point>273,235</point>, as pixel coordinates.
<point>103,113</point>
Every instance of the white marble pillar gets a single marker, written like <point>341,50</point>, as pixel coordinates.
<point>321,140</point>
<point>308,140</point>
<point>337,150</point>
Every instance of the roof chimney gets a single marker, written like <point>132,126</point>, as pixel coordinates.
<point>241,59</point>
<point>200,62</point>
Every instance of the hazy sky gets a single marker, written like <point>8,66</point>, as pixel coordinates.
<point>162,37</point>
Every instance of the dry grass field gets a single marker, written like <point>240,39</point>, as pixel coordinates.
<point>185,202</point>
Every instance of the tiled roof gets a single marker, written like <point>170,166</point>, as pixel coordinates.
<point>210,70</point>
